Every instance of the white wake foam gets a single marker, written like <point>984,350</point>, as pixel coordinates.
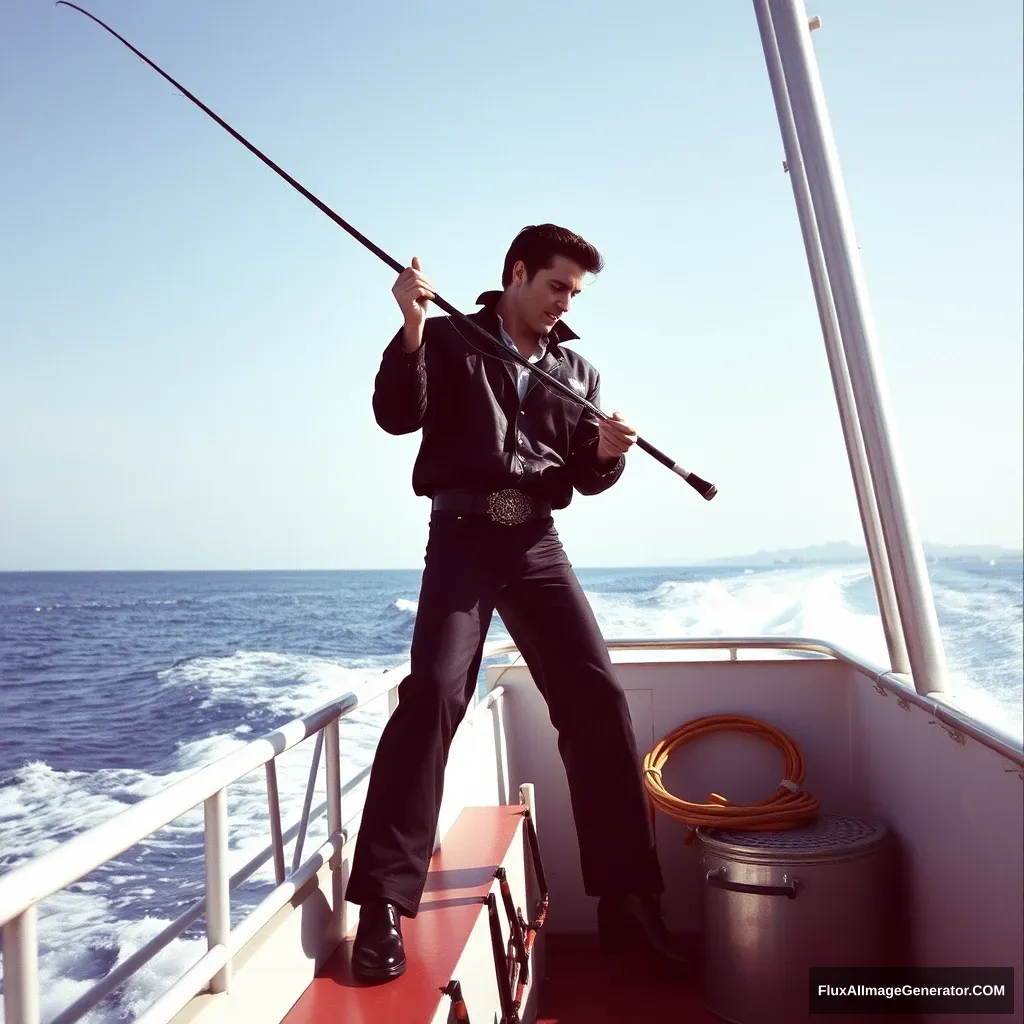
<point>81,929</point>
<point>983,636</point>
<point>288,684</point>
<point>84,925</point>
<point>800,602</point>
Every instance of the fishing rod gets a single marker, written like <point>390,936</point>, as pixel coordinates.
<point>705,489</point>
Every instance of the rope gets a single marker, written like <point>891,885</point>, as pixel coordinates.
<point>788,807</point>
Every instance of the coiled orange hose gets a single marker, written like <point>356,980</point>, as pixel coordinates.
<point>784,809</point>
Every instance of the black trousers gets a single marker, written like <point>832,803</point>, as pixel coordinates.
<point>472,568</point>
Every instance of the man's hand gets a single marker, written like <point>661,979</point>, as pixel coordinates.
<point>616,437</point>
<point>412,292</point>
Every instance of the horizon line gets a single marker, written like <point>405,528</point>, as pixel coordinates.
<point>1008,554</point>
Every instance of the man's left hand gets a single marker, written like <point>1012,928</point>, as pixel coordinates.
<point>615,438</point>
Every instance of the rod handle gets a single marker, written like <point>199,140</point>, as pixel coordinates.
<point>702,487</point>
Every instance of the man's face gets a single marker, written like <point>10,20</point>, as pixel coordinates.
<point>546,297</point>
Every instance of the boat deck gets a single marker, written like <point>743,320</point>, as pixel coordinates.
<point>580,984</point>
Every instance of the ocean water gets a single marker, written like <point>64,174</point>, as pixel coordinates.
<point>113,685</point>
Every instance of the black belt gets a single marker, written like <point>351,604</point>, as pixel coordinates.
<point>510,507</point>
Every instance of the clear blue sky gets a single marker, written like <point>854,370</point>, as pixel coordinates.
<point>187,347</point>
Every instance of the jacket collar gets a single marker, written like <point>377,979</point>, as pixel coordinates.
<point>559,333</point>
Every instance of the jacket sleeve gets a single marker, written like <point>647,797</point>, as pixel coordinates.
<point>400,388</point>
<point>586,477</point>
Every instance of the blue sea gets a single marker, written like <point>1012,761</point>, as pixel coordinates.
<point>113,685</point>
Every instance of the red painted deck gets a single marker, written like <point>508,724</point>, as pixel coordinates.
<point>461,875</point>
<point>582,986</point>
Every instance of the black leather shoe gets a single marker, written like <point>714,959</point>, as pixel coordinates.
<point>633,924</point>
<point>379,952</point>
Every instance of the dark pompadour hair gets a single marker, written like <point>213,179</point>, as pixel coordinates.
<point>538,245</point>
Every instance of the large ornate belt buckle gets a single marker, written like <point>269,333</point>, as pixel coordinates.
<point>510,507</point>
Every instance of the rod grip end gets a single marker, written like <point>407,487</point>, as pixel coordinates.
<point>702,487</point>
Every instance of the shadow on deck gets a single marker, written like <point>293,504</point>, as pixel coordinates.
<point>584,986</point>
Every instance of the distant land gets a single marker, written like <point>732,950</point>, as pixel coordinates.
<point>841,551</point>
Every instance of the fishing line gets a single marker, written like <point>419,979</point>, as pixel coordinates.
<point>500,357</point>
<point>705,489</point>
<point>507,362</point>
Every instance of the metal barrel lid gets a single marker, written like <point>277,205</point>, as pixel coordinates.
<point>829,837</point>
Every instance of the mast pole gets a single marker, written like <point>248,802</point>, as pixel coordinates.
<point>885,592</point>
<point>849,290</point>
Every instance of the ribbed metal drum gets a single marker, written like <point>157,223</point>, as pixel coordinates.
<point>779,903</point>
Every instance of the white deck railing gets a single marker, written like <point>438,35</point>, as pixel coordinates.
<point>22,889</point>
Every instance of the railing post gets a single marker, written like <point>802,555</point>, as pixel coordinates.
<point>332,744</point>
<point>218,892</point>
<point>274,805</point>
<point>21,969</point>
<point>528,796</point>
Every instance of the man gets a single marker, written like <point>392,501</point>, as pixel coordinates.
<point>500,450</point>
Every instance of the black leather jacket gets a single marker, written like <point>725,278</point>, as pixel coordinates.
<point>477,435</point>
